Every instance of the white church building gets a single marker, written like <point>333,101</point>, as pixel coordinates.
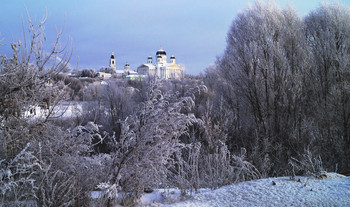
<point>162,68</point>
<point>127,72</point>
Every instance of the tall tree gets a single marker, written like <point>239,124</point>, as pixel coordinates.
<point>264,62</point>
<point>328,35</point>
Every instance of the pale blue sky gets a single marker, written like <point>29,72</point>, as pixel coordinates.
<point>192,30</point>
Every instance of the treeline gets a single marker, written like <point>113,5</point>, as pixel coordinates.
<point>275,104</point>
<point>285,80</point>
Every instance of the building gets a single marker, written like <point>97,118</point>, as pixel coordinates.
<point>112,63</point>
<point>104,75</point>
<point>162,69</point>
<point>111,71</point>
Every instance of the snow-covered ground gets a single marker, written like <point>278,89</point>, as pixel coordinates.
<point>334,190</point>
<point>64,110</point>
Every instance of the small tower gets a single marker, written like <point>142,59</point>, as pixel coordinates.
<point>149,60</point>
<point>112,63</point>
<point>172,59</point>
<point>126,68</point>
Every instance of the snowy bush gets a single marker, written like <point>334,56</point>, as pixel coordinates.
<point>56,188</point>
<point>69,156</point>
<point>185,173</point>
<point>149,139</point>
<point>243,169</point>
<point>308,164</point>
<point>40,163</point>
<point>17,178</point>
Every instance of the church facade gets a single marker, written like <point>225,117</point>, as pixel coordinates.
<point>162,68</point>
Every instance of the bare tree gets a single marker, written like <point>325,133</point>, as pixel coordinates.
<point>25,82</point>
<point>149,141</point>
<point>31,145</point>
<point>328,35</point>
<point>263,65</point>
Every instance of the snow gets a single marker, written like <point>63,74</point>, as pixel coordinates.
<point>334,190</point>
<point>66,109</point>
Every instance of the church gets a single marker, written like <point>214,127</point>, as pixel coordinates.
<point>127,73</point>
<point>162,68</point>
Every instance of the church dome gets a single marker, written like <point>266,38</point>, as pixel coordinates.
<point>160,52</point>
<point>127,64</point>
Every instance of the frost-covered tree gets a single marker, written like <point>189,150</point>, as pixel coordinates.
<point>109,104</point>
<point>285,82</point>
<point>328,35</point>
<point>263,66</point>
<point>25,84</point>
<point>148,144</point>
<point>37,157</point>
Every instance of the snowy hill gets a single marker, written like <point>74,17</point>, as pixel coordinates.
<point>333,190</point>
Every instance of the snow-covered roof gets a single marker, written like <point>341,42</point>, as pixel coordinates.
<point>119,71</point>
<point>173,65</point>
<point>135,75</point>
<point>147,65</point>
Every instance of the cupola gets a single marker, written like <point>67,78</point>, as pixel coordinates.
<point>126,66</point>
<point>172,59</point>
<point>160,52</point>
<point>149,60</point>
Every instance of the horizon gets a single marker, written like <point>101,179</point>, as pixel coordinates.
<point>194,32</point>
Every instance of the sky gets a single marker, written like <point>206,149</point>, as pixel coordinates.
<point>194,31</point>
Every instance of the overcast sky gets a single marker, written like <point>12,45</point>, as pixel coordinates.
<point>194,31</point>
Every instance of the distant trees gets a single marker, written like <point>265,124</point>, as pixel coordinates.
<point>108,70</point>
<point>90,73</point>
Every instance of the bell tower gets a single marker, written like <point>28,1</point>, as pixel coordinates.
<point>112,62</point>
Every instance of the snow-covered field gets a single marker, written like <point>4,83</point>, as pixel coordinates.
<point>64,110</point>
<point>333,190</point>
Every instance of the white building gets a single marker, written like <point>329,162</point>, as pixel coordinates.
<point>112,62</point>
<point>112,70</point>
<point>162,68</point>
<point>104,75</point>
